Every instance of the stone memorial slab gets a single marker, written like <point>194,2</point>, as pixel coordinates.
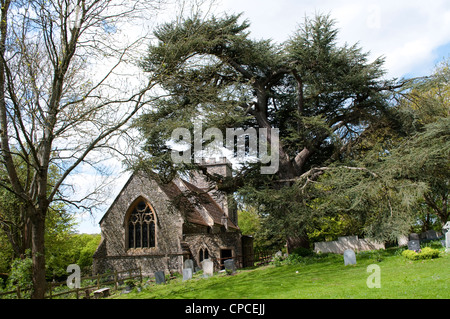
<point>160,277</point>
<point>189,263</point>
<point>414,236</point>
<point>208,267</point>
<point>187,274</point>
<point>229,265</point>
<point>446,230</point>
<point>431,234</point>
<point>349,257</point>
<point>446,227</point>
<point>414,245</point>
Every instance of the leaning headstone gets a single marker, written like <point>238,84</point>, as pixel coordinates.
<point>208,267</point>
<point>414,245</point>
<point>349,257</point>
<point>229,265</point>
<point>189,263</point>
<point>187,274</point>
<point>160,277</point>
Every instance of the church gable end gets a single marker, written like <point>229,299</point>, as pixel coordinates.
<point>140,222</point>
<point>144,228</point>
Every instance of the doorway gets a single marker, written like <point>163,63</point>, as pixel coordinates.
<point>224,255</point>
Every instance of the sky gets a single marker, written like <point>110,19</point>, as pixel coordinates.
<point>412,35</point>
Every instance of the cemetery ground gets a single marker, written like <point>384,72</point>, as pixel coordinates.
<point>322,276</point>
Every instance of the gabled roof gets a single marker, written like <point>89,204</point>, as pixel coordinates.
<point>180,201</point>
<point>211,206</point>
<point>189,208</point>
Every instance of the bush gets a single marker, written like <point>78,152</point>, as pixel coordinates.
<point>303,252</point>
<point>294,259</point>
<point>429,253</point>
<point>425,253</point>
<point>410,254</point>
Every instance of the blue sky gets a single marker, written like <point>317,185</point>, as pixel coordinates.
<point>412,35</point>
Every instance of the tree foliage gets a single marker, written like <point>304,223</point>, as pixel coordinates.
<point>55,111</point>
<point>320,95</point>
<point>406,174</point>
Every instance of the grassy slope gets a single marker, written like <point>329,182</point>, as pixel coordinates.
<point>318,278</point>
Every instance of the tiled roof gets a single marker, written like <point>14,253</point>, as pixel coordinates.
<point>182,203</point>
<point>211,206</point>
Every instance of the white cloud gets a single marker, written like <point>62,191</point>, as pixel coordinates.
<point>406,32</point>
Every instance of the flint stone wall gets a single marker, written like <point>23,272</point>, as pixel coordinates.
<point>112,252</point>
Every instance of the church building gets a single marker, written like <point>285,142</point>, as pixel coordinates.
<point>157,226</point>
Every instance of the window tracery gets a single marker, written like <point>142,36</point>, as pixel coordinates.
<point>141,226</point>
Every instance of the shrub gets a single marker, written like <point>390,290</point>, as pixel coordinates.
<point>410,254</point>
<point>429,253</point>
<point>294,259</point>
<point>303,252</point>
<point>21,272</point>
<point>425,253</point>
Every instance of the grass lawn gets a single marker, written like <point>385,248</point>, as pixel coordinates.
<point>323,277</point>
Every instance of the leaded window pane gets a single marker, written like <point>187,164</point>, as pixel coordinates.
<point>141,227</point>
<point>152,234</point>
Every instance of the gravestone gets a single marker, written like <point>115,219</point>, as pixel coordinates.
<point>414,236</point>
<point>160,277</point>
<point>187,274</point>
<point>349,257</point>
<point>208,267</point>
<point>446,230</point>
<point>229,265</point>
<point>189,263</point>
<point>431,234</point>
<point>414,245</point>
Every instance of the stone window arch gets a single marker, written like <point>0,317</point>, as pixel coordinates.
<point>140,225</point>
<point>203,254</point>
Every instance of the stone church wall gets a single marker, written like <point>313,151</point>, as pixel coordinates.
<point>113,253</point>
<point>215,243</point>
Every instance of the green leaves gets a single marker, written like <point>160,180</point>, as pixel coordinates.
<point>328,101</point>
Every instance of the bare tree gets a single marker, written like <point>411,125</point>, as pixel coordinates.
<point>64,96</point>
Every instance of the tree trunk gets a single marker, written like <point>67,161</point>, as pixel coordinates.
<point>293,242</point>
<point>38,255</point>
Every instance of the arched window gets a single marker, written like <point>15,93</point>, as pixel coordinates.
<point>203,254</point>
<point>141,226</point>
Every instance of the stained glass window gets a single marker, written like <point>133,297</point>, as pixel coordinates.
<point>141,226</point>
